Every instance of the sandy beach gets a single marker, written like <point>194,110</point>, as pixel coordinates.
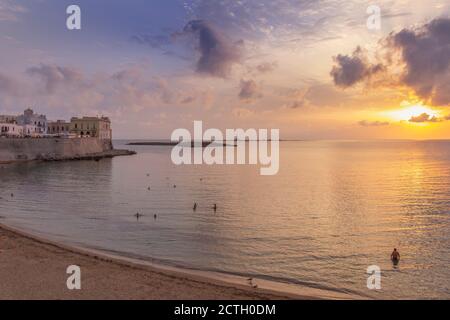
<point>34,268</point>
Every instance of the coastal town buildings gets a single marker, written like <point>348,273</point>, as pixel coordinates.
<point>33,125</point>
<point>91,127</point>
<point>30,131</point>
<point>59,127</point>
<point>8,119</point>
<point>30,118</point>
<point>11,130</point>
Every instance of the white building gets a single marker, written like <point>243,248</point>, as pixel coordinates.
<point>30,130</point>
<point>29,118</point>
<point>11,130</point>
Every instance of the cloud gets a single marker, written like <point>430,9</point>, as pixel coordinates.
<point>154,41</point>
<point>54,76</point>
<point>417,58</point>
<point>366,123</point>
<point>297,104</point>
<point>188,100</point>
<point>292,23</point>
<point>425,52</point>
<point>349,70</point>
<point>249,90</point>
<point>61,90</point>
<point>266,67</point>
<point>424,117</point>
<point>242,113</point>
<point>325,95</point>
<point>10,11</point>
<point>217,53</point>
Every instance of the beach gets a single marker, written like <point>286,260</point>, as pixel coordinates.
<point>34,268</point>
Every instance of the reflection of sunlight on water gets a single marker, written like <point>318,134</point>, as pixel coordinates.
<point>334,209</point>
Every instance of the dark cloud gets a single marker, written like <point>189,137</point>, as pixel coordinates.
<point>54,76</point>
<point>424,117</point>
<point>298,104</point>
<point>366,123</point>
<point>425,52</point>
<point>350,70</point>
<point>217,53</point>
<point>266,67</point>
<point>249,90</point>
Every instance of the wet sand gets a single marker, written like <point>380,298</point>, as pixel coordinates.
<point>35,268</point>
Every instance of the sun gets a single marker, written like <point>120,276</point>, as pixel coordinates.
<point>406,113</point>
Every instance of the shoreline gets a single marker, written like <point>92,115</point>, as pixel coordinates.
<point>31,263</point>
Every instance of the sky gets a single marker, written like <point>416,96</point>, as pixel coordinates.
<point>311,68</point>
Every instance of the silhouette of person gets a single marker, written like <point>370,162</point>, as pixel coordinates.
<point>395,256</point>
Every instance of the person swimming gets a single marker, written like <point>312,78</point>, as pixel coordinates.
<point>195,206</point>
<point>395,256</point>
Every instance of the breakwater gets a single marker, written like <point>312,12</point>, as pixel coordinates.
<point>55,149</point>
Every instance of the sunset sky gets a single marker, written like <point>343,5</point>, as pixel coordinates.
<point>310,68</point>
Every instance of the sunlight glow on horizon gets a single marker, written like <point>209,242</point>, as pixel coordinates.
<point>406,113</point>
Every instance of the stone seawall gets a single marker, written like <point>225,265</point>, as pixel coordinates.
<point>51,148</point>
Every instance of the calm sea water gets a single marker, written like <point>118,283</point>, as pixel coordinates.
<point>334,209</point>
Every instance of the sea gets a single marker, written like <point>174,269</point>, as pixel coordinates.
<point>334,210</point>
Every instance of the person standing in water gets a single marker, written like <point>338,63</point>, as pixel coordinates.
<point>395,256</point>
